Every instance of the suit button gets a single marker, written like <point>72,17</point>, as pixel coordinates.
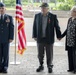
<point>2,31</point>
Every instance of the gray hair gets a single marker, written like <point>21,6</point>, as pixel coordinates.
<point>73,9</point>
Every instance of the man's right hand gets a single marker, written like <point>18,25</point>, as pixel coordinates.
<point>59,39</point>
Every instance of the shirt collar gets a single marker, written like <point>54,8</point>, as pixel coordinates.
<point>45,15</point>
<point>3,15</point>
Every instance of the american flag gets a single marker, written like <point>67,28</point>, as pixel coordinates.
<point>20,23</point>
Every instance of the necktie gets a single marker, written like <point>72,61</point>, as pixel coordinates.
<point>1,17</point>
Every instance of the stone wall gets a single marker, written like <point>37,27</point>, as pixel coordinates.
<point>30,13</point>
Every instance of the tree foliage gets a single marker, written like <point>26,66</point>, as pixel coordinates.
<point>61,4</point>
<point>66,4</point>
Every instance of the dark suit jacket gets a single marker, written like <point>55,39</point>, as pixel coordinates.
<point>52,25</point>
<point>65,34</point>
<point>6,29</point>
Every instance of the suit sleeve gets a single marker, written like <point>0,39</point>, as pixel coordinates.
<point>75,37</point>
<point>34,29</point>
<point>64,34</point>
<point>11,29</point>
<point>57,27</point>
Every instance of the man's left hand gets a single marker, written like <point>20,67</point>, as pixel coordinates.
<point>10,40</point>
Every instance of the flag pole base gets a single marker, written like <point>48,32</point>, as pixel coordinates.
<point>15,63</point>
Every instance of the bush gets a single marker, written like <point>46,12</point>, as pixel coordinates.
<point>10,3</point>
<point>61,0</point>
<point>64,6</point>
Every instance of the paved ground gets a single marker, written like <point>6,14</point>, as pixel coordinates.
<point>29,61</point>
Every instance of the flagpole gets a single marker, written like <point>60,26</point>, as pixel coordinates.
<point>15,41</point>
<point>15,53</point>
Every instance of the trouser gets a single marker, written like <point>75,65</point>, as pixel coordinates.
<point>49,53</point>
<point>72,59</point>
<point>4,55</point>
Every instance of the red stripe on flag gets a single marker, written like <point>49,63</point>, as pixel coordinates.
<point>20,26</point>
<point>21,42</point>
<point>23,34</point>
<point>19,7</point>
<point>17,12</point>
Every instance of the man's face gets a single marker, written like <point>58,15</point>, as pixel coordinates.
<point>44,10</point>
<point>2,10</point>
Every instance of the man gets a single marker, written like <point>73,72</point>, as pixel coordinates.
<point>43,32</point>
<point>6,37</point>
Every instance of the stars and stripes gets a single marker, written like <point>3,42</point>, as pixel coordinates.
<point>21,23</point>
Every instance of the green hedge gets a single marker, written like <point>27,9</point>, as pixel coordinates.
<point>10,3</point>
<point>64,6</point>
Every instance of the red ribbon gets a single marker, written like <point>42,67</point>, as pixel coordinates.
<point>49,20</point>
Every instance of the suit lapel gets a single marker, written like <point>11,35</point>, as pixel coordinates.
<point>5,17</point>
<point>40,19</point>
<point>40,23</point>
<point>49,17</point>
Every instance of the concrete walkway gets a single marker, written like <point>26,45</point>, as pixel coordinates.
<point>29,62</point>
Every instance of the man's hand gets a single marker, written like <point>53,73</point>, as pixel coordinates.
<point>10,41</point>
<point>59,39</point>
<point>35,39</point>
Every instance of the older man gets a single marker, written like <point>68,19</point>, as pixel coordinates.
<point>6,37</point>
<point>43,32</point>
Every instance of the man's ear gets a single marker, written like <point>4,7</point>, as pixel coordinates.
<point>5,8</point>
<point>48,8</point>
